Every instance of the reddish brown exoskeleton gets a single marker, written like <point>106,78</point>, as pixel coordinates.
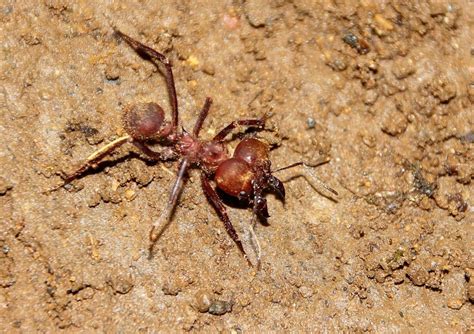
<point>246,175</point>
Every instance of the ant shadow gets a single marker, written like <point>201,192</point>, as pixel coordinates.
<point>319,191</point>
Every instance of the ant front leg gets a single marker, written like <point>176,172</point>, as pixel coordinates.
<point>252,123</point>
<point>260,207</point>
<point>150,54</point>
<point>216,202</point>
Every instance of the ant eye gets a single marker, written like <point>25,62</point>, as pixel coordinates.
<point>143,120</point>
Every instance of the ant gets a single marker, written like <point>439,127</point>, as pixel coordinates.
<point>245,175</point>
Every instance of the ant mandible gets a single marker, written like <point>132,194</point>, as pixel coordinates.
<point>246,175</point>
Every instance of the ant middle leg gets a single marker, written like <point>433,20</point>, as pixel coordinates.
<point>150,54</point>
<point>221,211</point>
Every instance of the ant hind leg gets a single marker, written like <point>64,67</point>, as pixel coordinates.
<point>92,160</point>
<point>159,225</point>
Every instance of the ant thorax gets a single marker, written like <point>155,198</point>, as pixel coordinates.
<point>188,146</point>
<point>212,155</point>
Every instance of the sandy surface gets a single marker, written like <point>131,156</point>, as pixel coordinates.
<point>383,88</point>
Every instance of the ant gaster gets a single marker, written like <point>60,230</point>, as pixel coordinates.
<point>245,175</point>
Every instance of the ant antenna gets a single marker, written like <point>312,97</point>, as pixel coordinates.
<point>311,177</point>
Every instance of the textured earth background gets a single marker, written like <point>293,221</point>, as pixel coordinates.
<point>383,88</point>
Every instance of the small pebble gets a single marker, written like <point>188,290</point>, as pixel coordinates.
<point>45,96</point>
<point>371,97</point>
<point>470,292</point>
<point>382,22</point>
<point>455,303</point>
<point>130,194</point>
<point>418,275</point>
<point>231,22</point>
<point>337,64</point>
<point>202,301</point>
<point>112,72</point>
<point>220,307</point>
<point>403,68</point>
<point>209,69</point>
<point>395,123</point>
<point>121,284</point>
<point>94,200</point>
<point>257,12</point>
<point>192,61</point>
<point>5,186</point>
<point>468,138</point>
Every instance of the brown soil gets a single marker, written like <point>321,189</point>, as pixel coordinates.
<point>384,88</point>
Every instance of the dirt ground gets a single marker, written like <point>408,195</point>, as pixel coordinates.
<point>383,88</point>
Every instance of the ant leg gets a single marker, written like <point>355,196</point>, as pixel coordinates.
<point>166,153</point>
<point>216,202</point>
<point>277,186</point>
<point>93,159</point>
<point>149,54</point>
<point>159,226</point>
<point>202,116</point>
<point>260,207</point>
<point>256,123</point>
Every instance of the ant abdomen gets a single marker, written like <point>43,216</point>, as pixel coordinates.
<point>234,177</point>
<point>253,151</point>
<point>143,121</point>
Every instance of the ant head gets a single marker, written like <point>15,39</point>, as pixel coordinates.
<point>234,177</point>
<point>143,120</point>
